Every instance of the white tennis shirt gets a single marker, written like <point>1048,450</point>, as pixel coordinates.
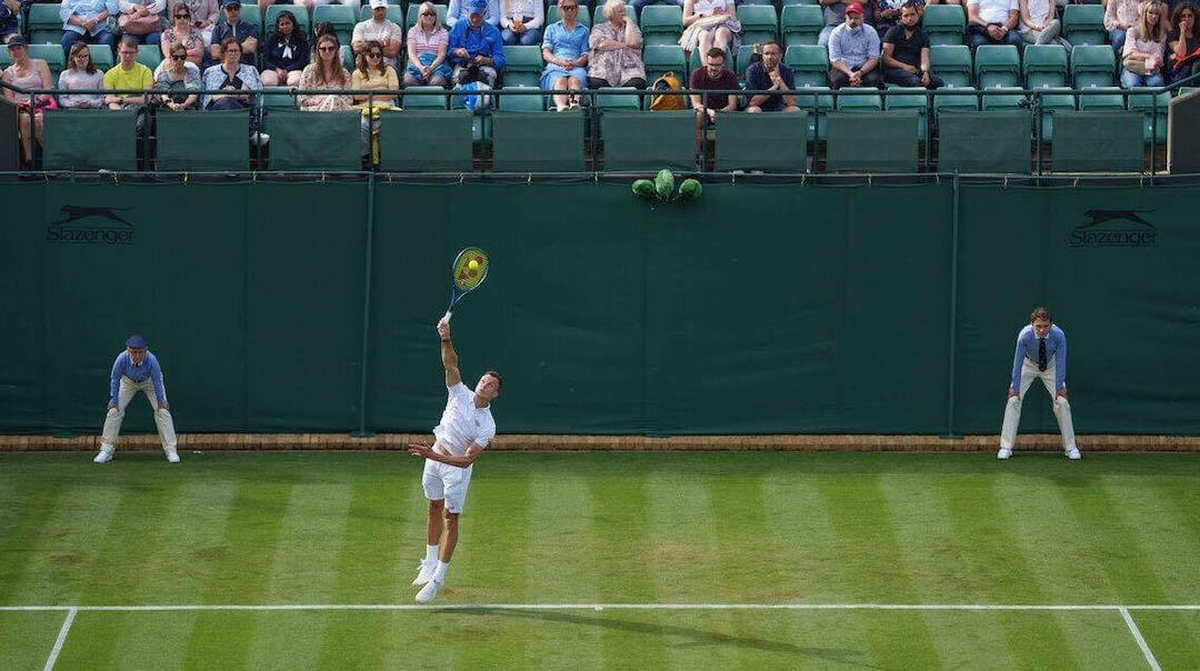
<point>462,423</point>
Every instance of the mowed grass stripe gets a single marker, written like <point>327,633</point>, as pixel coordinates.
<point>303,570</point>
<point>369,570</point>
<point>932,553</point>
<point>241,568</point>
<point>1162,534</point>
<point>40,550</point>
<point>860,519</point>
<point>620,531</point>
<point>747,561</point>
<point>26,638</point>
<point>408,512</point>
<point>994,564</point>
<point>1173,637</point>
<point>801,540</point>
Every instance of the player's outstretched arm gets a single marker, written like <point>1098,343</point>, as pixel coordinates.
<point>449,356</point>
<point>427,452</point>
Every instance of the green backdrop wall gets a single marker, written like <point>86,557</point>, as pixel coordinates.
<point>758,309</point>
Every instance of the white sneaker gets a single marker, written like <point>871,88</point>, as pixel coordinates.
<point>103,457</point>
<point>424,572</point>
<point>1073,454</point>
<point>260,139</point>
<point>1004,453</point>
<point>429,591</point>
<point>173,457</point>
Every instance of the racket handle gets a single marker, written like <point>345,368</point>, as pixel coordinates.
<point>446,317</point>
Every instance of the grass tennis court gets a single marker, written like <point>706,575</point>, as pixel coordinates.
<point>679,560</point>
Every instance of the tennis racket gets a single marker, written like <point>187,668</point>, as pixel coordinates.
<point>468,272</point>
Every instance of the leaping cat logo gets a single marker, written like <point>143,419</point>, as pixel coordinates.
<point>76,212</point>
<point>1101,216</point>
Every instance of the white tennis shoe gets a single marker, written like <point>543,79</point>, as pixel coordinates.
<point>173,457</point>
<point>424,573</point>
<point>429,591</point>
<point>1073,454</point>
<point>1004,453</point>
<point>103,457</point>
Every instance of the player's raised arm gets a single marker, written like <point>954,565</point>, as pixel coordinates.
<point>449,356</point>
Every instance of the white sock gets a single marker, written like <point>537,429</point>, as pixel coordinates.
<point>431,553</point>
<point>439,573</point>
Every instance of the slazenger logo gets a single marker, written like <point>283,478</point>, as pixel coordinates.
<point>1114,228</point>
<point>94,225</point>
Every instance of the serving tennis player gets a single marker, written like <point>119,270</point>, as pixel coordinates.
<point>465,430</point>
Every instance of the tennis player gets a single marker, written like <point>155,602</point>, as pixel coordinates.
<point>465,430</point>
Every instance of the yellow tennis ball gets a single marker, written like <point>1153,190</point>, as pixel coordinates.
<point>473,265</point>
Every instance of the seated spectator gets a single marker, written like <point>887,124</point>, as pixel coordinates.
<point>616,50</point>
<point>565,50</point>
<point>285,52</point>
<point>308,5</point>
<point>372,74</point>
<point>9,9</point>
<point>521,21</point>
<point>86,21</point>
<point>204,16</point>
<point>127,75</point>
<point>142,20</point>
<point>379,29</point>
<point>1038,25</point>
<point>427,43</point>
<point>27,73</point>
<point>835,15</point>
<point>81,75</point>
<point>993,22</point>
<point>854,52</point>
<point>770,74</point>
<point>460,10</point>
<point>184,32</point>
<point>245,33</point>
<point>1119,16</point>
<point>476,42</point>
<point>905,52</point>
<point>1183,43</point>
<point>325,73</point>
<point>712,76</point>
<point>887,15</point>
<point>180,78</point>
<point>708,24</point>
<point>1142,55</point>
<point>240,79</point>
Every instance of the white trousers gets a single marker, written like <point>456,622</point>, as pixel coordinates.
<point>125,394</point>
<point>1060,405</point>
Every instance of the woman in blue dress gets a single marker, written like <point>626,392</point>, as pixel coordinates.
<point>565,50</point>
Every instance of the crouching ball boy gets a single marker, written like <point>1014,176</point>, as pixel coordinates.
<point>465,430</point>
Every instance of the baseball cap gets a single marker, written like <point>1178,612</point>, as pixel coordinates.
<point>854,8</point>
<point>378,3</point>
<point>478,6</point>
<point>233,3</point>
<point>18,41</point>
<point>136,341</point>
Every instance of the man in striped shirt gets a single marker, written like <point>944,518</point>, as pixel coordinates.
<point>136,369</point>
<point>1041,354</point>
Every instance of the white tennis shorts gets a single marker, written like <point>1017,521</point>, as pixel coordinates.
<point>443,481</point>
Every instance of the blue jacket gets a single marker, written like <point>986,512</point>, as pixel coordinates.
<point>483,42</point>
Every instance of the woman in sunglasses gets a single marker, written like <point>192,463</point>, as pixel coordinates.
<point>286,53</point>
<point>179,77</point>
<point>31,74</point>
<point>372,74</point>
<point>326,74</point>
<point>184,33</point>
<point>427,42</point>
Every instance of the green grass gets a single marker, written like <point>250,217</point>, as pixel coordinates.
<point>604,528</point>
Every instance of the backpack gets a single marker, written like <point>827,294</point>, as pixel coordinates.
<point>667,82</point>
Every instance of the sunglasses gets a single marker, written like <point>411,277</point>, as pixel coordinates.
<point>374,55</point>
<point>179,57</point>
<point>183,16</point>
<point>428,13</point>
<point>326,48</point>
<point>569,8</point>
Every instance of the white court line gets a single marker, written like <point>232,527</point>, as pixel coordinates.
<point>1137,635</point>
<point>603,606</point>
<point>62,638</point>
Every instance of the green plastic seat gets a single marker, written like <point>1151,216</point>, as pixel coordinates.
<point>1002,98</point>
<point>44,25</point>
<point>278,98</point>
<point>759,23</point>
<point>1093,66</point>
<point>102,56</point>
<point>801,24</point>
<point>952,62</point>
<point>854,100</point>
<point>1154,111</point>
<point>997,65</point>
<point>944,24</point>
<point>425,102</point>
<point>661,24</point>
<point>1107,98</point>
<point>150,55</point>
<point>964,98</point>
<point>809,64</point>
<point>1083,25</point>
<point>1052,101</point>
<point>662,58</point>
<point>1044,66</point>
<point>618,98</point>
<point>521,103</point>
<point>523,65</point>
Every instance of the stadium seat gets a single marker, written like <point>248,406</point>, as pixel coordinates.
<point>661,24</point>
<point>618,98</point>
<point>1103,98</point>
<point>662,58</point>
<point>961,101</point>
<point>944,24</point>
<point>413,13</point>
<point>1083,25</point>
<point>997,65</point>
<point>585,14</point>
<point>44,25</point>
<point>801,24</point>
<point>1093,66</point>
<point>314,142</point>
<point>215,140</point>
<point>395,14</point>
<point>741,60</point>
<point>481,122</point>
<point>915,98</point>
<point>767,142</point>
<point>1151,105</point>
<point>521,103</point>
<point>302,21</point>
<point>858,100</point>
<point>1052,101</point>
<point>425,102</point>
<point>952,62</point>
<point>425,141</point>
<point>89,140</point>
<point>759,23</point>
<point>537,141</point>
<point>102,57</point>
<point>809,64</point>
<point>53,55</point>
<point>788,3</point>
<point>1044,66</point>
<point>150,55</point>
<point>1002,98</point>
<point>5,59</point>
<point>251,15</point>
<point>645,141</point>
<point>341,17</point>
<point>523,66</point>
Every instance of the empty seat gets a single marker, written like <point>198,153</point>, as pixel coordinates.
<point>1002,98</point>
<point>1093,66</point>
<point>944,24</point>
<point>759,23</point>
<point>809,64</point>
<point>341,17</point>
<point>1154,111</point>
<point>44,25</point>
<point>523,65</point>
<point>801,24</point>
<point>859,100</point>
<point>529,102</point>
<point>1102,98</point>
<point>963,98</point>
<point>951,62</point>
<point>662,24</point>
<point>997,65</point>
<point>1044,66</point>
<point>662,58</point>
<point>1084,25</point>
<point>425,98</point>
<point>1050,102</point>
<point>102,57</point>
<point>150,55</point>
<point>618,98</point>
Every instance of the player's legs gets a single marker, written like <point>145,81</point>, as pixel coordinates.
<point>1062,412</point>
<point>112,421</point>
<point>164,422</point>
<point>454,483</point>
<point>431,482</point>
<point>1012,411</point>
